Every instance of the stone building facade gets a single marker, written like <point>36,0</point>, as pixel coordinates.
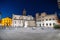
<point>23,20</point>
<point>45,20</point>
<point>6,22</point>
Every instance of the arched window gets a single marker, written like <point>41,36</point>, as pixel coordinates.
<point>46,24</point>
<point>53,23</point>
<point>42,19</point>
<point>50,24</point>
<point>53,19</point>
<point>46,19</point>
<point>43,24</point>
<point>40,25</point>
<point>49,19</point>
<point>42,16</point>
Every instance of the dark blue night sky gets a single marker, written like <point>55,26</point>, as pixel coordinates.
<point>8,7</point>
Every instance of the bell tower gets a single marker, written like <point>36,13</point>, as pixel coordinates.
<point>24,12</point>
